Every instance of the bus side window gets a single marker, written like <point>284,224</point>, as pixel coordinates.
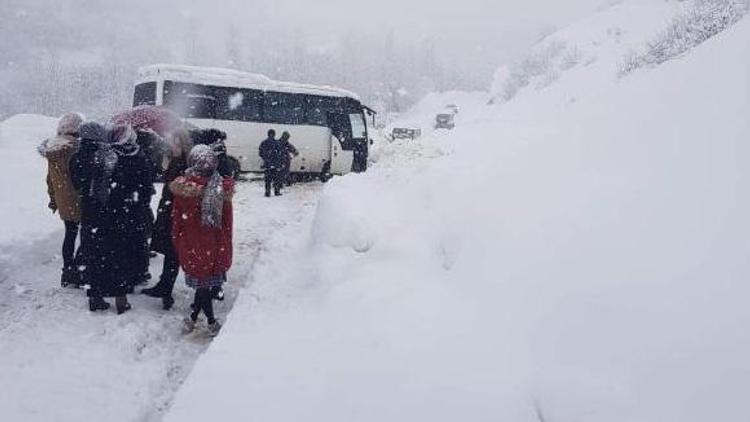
<point>283,108</point>
<point>238,104</point>
<point>190,100</point>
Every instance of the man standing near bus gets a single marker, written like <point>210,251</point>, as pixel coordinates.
<point>272,152</point>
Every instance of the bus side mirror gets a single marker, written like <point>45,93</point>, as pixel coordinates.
<point>372,141</point>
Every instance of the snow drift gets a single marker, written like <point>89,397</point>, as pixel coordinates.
<point>578,253</point>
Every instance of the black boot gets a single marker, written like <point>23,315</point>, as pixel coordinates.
<point>70,278</point>
<point>156,291</point>
<point>167,302</point>
<point>98,304</point>
<point>122,305</point>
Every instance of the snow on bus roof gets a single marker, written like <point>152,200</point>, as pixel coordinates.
<point>234,78</point>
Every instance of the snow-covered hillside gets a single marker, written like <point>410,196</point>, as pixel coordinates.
<point>577,254</point>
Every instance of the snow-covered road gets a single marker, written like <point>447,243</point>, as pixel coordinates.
<point>61,362</point>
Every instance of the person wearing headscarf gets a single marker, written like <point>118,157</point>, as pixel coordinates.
<point>63,196</point>
<point>88,161</point>
<point>127,202</point>
<point>216,139</point>
<point>202,230</point>
<point>115,183</point>
<point>161,237</point>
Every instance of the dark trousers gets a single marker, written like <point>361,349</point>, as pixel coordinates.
<point>203,302</point>
<point>169,272</point>
<point>69,245</point>
<point>274,177</point>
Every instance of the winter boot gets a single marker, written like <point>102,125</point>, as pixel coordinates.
<point>188,325</point>
<point>122,305</point>
<point>167,301</point>
<point>156,291</point>
<point>214,328</point>
<point>98,304</point>
<point>70,278</point>
<point>145,278</point>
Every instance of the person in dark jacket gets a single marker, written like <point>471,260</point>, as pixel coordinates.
<point>63,197</point>
<point>152,146</point>
<point>272,153</point>
<point>116,184</point>
<point>161,238</point>
<point>93,218</point>
<point>127,204</point>
<point>215,139</point>
<point>289,152</point>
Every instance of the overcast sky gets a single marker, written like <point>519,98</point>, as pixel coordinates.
<point>497,27</point>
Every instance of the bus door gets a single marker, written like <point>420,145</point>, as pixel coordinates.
<point>341,143</point>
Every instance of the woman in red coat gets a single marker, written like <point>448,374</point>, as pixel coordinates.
<point>202,230</point>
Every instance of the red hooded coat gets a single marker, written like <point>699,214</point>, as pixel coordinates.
<point>203,251</point>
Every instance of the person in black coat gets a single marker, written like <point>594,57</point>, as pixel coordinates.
<point>216,138</point>
<point>127,209</point>
<point>272,153</point>
<point>93,217</point>
<point>289,152</point>
<point>161,238</point>
<point>152,147</point>
<point>115,182</point>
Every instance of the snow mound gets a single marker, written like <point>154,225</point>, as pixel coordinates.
<point>567,260</point>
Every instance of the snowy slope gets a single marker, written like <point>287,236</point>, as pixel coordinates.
<point>568,260</point>
<point>586,54</point>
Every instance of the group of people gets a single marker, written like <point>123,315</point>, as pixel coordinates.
<point>100,182</point>
<point>277,160</point>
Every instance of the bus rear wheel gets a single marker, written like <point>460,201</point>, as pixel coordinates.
<point>325,172</point>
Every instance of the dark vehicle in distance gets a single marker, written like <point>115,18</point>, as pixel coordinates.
<point>445,121</point>
<point>405,133</point>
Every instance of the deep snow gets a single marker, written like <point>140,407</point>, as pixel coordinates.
<point>579,253</point>
<point>61,362</point>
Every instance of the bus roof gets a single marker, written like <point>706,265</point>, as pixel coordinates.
<point>234,78</point>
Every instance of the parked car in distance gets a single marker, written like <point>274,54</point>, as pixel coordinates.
<point>445,121</point>
<point>405,133</point>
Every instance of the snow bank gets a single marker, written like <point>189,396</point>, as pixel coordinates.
<point>24,213</point>
<point>580,253</point>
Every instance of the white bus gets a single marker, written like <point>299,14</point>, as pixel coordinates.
<point>327,125</point>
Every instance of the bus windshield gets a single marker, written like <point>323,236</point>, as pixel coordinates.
<point>144,94</point>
